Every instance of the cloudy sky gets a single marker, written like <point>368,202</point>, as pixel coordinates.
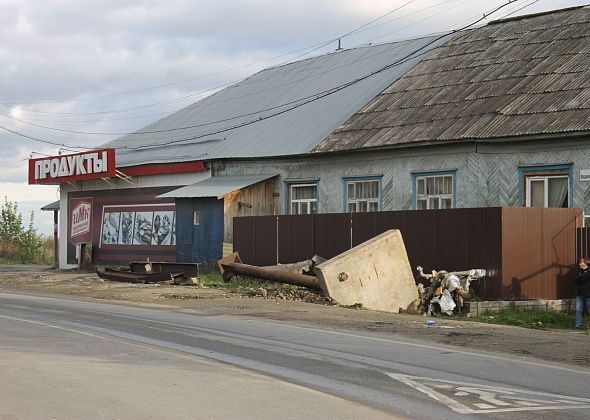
<point>113,66</point>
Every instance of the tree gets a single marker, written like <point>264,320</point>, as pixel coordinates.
<point>11,227</point>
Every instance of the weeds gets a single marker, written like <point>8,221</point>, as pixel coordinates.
<point>530,318</point>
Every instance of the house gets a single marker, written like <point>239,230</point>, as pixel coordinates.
<point>495,116</point>
<point>168,195</point>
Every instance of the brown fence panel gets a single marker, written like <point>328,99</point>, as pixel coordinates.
<point>527,253</point>
<point>332,234</point>
<point>255,238</point>
<point>485,250</point>
<point>538,252</point>
<point>296,238</point>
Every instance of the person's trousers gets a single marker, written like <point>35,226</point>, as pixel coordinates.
<point>581,301</point>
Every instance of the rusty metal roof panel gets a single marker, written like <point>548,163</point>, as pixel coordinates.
<point>516,77</point>
<point>271,113</point>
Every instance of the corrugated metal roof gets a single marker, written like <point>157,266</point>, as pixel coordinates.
<point>276,89</point>
<point>51,206</point>
<point>216,186</point>
<point>518,77</point>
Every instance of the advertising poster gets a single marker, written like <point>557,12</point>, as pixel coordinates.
<point>80,220</point>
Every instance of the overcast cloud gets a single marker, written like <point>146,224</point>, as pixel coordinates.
<point>71,49</point>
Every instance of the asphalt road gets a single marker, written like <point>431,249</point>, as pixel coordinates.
<point>60,358</point>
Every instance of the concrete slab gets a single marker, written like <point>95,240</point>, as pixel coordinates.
<point>376,274</point>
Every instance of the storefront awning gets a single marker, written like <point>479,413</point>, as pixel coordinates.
<point>51,206</point>
<point>216,186</point>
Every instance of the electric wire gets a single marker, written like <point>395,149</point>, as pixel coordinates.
<point>193,95</point>
<point>313,47</point>
<point>317,97</point>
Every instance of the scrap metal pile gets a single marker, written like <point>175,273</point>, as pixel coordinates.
<point>447,292</point>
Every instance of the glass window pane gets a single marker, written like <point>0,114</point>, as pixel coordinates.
<point>352,207</point>
<point>557,195</point>
<point>350,193</point>
<point>422,204</point>
<point>438,185</point>
<point>362,206</point>
<point>293,208</point>
<point>448,185</point>
<point>446,203</point>
<point>374,206</point>
<point>313,207</point>
<point>433,203</point>
<point>358,190</point>
<point>374,189</point>
<point>537,193</point>
<point>305,192</point>
<point>421,186</point>
<point>430,186</point>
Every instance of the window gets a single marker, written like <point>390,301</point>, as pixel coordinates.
<point>363,195</point>
<point>550,190</point>
<point>303,198</point>
<point>434,191</point>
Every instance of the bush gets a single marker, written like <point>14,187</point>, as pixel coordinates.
<point>18,244</point>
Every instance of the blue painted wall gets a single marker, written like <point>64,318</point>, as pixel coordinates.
<point>203,242</point>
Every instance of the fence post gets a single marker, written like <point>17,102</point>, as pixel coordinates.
<point>277,239</point>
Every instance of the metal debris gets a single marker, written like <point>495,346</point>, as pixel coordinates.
<point>447,291</point>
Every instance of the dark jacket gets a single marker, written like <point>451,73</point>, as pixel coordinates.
<point>583,282</point>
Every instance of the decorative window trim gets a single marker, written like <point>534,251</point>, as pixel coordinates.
<point>418,175</point>
<point>526,173</point>
<point>308,201</point>
<point>348,180</point>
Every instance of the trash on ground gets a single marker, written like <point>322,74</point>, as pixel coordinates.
<point>446,293</point>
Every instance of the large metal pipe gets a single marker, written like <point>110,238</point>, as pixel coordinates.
<point>233,268</point>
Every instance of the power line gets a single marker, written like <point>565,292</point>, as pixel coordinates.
<point>149,88</point>
<point>329,92</point>
<point>193,95</point>
<point>297,105</point>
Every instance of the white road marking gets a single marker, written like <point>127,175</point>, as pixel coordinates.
<point>495,399</point>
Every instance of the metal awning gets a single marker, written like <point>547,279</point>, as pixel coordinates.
<point>216,186</point>
<point>51,206</point>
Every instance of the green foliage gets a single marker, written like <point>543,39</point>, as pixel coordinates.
<point>11,227</point>
<point>529,318</point>
<point>20,244</point>
<point>31,244</point>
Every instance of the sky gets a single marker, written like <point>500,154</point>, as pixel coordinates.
<point>114,66</point>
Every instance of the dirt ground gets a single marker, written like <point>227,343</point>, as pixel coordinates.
<point>572,347</point>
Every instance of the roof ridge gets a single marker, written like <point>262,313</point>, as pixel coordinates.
<point>532,15</point>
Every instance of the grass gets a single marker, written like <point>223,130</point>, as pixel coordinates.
<point>213,279</point>
<point>530,318</point>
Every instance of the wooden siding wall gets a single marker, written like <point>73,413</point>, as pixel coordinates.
<point>259,196</point>
<point>528,253</point>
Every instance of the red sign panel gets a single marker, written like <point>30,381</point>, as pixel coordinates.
<point>77,167</point>
<point>80,220</point>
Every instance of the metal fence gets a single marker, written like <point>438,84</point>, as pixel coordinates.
<point>528,253</point>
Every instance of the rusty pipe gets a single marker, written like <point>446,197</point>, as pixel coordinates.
<point>233,268</point>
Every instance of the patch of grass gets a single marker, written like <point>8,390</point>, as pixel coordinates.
<point>530,318</point>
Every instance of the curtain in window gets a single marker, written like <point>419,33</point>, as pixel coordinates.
<point>557,194</point>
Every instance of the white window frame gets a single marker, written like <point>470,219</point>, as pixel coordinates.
<point>545,178</point>
<point>357,201</point>
<point>300,201</point>
<point>438,197</point>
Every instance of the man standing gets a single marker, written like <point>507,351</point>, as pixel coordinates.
<point>583,294</point>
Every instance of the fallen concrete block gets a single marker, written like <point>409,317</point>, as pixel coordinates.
<point>376,274</point>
